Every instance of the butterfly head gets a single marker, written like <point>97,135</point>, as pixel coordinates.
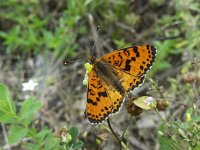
<point>91,59</point>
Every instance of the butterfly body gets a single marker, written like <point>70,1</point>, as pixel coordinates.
<point>113,76</point>
<point>108,75</point>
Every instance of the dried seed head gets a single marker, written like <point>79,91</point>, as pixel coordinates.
<point>133,109</point>
<point>189,77</point>
<point>162,105</point>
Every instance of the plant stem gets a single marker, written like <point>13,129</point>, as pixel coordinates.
<point>108,121</point>
<point>168,125</point>
<point>126,127</point>
<point>5,135</point>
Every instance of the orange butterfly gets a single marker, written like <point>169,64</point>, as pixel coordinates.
<point>113,76</point>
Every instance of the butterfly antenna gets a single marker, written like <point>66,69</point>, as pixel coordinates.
<point>93,48</point>
<point>66,62</point>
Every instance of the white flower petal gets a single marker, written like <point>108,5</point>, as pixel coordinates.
<point>149,100</point>
<point>30,85</point>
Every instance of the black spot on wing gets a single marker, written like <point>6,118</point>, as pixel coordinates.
<point>98,100</point>
<point>152,57</point>
<point>95,120</point>
<point>106,108</point>
<point>93,86</point>
<point>127,66</point>
<point>153,49</point>
<point>141,67</point>
<point>99,84</point>
<point>153,52</point>
<point>148,47</point>
<point>137,83</point>
<point>119,54</point>
<point>88,114</point>
<point>118,106</point>
<point>104,94</point>
<point>135,50</point>
<point>91,102</point>
<point>120,63</point>
<point>127,53</point>
<point>133,58</point>
<point>91,92</point>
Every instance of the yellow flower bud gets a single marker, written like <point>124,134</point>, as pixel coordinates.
<point>98,141</point>
<point>88,67</point>
<point>188,117</point>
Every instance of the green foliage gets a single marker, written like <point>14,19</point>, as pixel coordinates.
<point>16,133</point>
<point>165,143</point>
<point>30,29</point>
<point>28,109</point>
<point>180,33</point>
<point>30,32</point>
<point>74,143</point>
<point>73,132</point>
<point>7,107</point>
<point>69,140</point>
<point>183,135</point>
<point>19,125</point>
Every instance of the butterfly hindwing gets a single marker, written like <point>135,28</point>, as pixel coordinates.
<point>116,97</point>
<point>102,99</point>
<point>128,81</point>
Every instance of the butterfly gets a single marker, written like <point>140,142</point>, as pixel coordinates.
<point>113,76</point>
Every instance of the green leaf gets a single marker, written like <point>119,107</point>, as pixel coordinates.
<point>181,44</point>
<point>31,146</point>
<point>16,133</point>
<point>51,142</point>
<point>73,132</point>
<point>190,111</point>
<point>6,100</point>
<point>7,107</point>
<point>197,147</point>
<point>28,109</point>
<point>77,145</point>
<point>120,42</point>
<point>196,119</point>
<point>8,117</point>
<point>162,65</point>
<point>164,142</point>
<point>42,134</point>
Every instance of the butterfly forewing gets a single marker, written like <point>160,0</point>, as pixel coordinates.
<point>135,60</point>
<point>99,104</point>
